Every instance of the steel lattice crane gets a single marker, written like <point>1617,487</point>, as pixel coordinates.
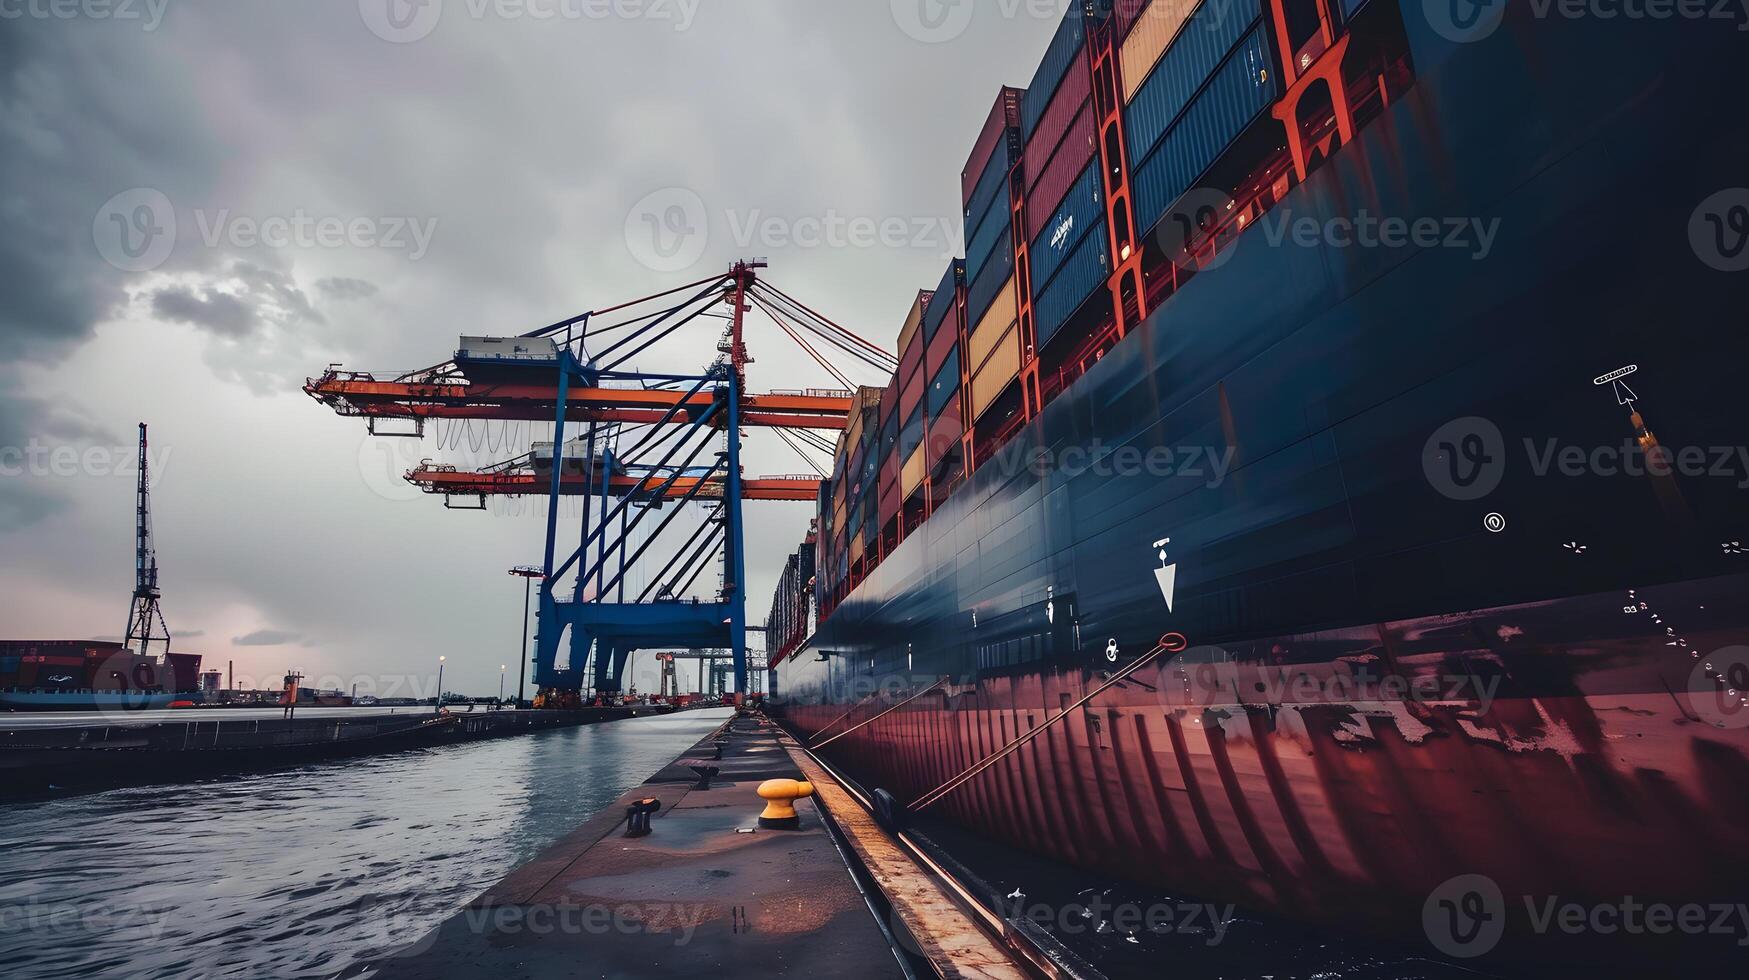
<point>145,617</point>
<point>646,448</point>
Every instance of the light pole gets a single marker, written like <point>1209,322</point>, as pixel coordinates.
<point>501,669</point>
<point>439,709</point>
<point>528,574</point>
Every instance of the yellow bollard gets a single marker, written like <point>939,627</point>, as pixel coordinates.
<point>780,796</point>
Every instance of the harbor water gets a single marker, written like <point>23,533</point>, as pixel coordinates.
<point>308,872</point>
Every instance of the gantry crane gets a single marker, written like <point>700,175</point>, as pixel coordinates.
<point>577,372</point>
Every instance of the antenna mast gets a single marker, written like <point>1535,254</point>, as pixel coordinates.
<point>144,613</point>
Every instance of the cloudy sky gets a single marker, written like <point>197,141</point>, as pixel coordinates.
<point>207,201</point>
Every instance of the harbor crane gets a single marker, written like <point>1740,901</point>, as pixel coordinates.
<point>648,443</point>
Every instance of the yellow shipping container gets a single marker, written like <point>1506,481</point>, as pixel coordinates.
<point>1001,368</point>
<point>1149,39</point>
<point>912,477</point>
<point>990,329</point>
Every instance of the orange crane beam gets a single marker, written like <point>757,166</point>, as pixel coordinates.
<point>367,397</point>
<point>440,480</point>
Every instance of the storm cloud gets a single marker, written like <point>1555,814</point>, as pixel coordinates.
<point>137,164</point>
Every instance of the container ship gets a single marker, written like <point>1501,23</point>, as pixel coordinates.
<point>1327,457</point>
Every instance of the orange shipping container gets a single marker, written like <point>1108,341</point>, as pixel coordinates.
<point>989,330</point>
<point>1002,367</point>
<point>1149,39</point>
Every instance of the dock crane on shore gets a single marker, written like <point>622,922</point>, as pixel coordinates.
<point>642,450</point>
<point>146,624</point>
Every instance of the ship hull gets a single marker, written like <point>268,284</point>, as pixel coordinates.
<point>86,700</point>
<point>1602,600</point>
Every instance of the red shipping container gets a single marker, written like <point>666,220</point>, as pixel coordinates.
<point>889,399</point>
<point>1061,172</point>
<point>1059,118</point>
<point>1003,117</point>
<point>939,349</point>
<point>945,433</point>
<point>910,360</point>
<point>911,392</point>
<point>889,493</point>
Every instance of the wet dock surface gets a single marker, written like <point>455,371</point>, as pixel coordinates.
<point>707,892</point>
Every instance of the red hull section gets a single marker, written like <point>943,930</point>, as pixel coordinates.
<point>1305,796</point>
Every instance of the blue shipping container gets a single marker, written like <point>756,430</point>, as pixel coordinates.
<point>1198,51</point>
<point>945,385</point>
<point>1069,42</point>
<point>992,186</point>
<point>982,238</point>
<point>911,436</point>
<point>988,285</point>
<point>1080,210</point>
<point>1081,276</point>
<point>946,294</point>
<point>1239,91</point>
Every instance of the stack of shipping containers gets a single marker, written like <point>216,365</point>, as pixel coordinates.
<point>1043,192</point>
<point>991,362</point>
<point>1065,223</point>
<point>791,620</point>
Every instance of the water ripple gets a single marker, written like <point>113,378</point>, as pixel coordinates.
<point>303,872</point>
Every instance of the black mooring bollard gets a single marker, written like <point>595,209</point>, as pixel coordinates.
<point>638,817</point>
